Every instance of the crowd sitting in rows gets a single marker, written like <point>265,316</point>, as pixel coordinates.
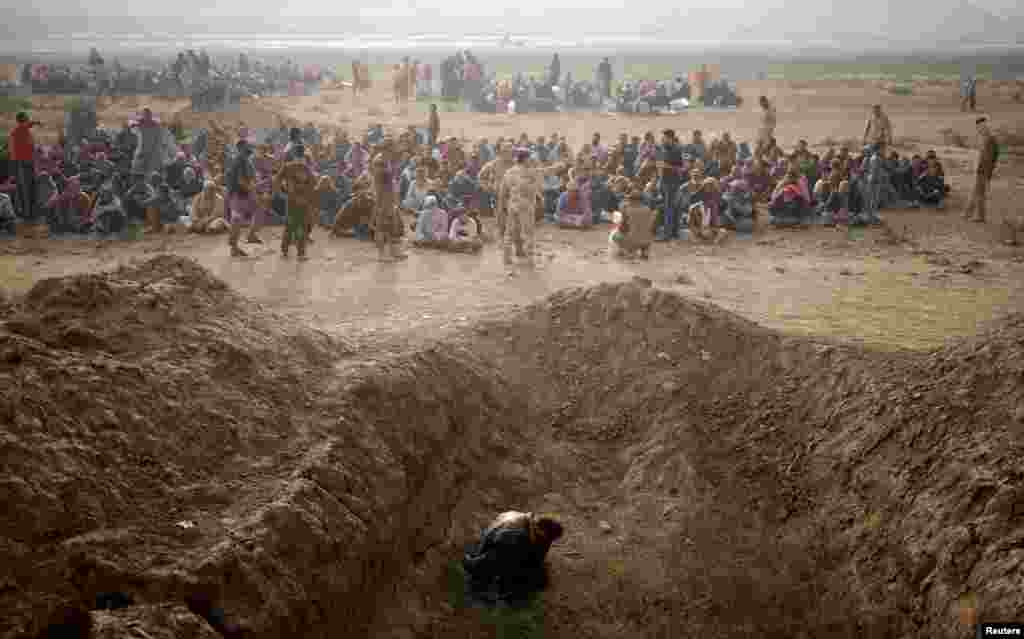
<point>103,185</point>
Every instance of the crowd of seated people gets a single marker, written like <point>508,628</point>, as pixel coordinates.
<point>447,190</point>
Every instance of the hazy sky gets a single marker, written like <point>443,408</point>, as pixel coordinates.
<point>458,8</point>
<point>918,20</point>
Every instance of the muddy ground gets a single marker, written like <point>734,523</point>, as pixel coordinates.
<point>809,433</point>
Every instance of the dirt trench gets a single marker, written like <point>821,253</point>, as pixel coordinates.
<point>164,436</point>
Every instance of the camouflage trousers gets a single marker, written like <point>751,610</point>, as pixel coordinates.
<point>519,225</point>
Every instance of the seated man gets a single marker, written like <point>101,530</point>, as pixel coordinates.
<point>418,190</point>
<point>552,189</point>
<point>164,209</point>
<point>7,217</point>
<point>109,214</point>
<point>570,208</point>
<point>191,185</point>
<point>931,188</point>
<point>72,209</point>
<point>834,208</point>
<point>135,199</point>
<point>207,209</point>
<point>356,214</point>
<point>701,226</point>
<point>932,156</point>
<point>790,204</point>
<point>431,221</point>
<point>738,207</point>
<point>508,564</point>
<point>759,180</point>
<point>466,228</point>
<point>634,227</point>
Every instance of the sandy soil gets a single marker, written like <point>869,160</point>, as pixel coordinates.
<point>336,429</point>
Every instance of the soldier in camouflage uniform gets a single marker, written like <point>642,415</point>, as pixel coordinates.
<point>387,224</point>
<point>988,157</point>
<point>491,176</point>
<point>520,188</point>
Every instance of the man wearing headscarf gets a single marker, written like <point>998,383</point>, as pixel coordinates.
<point>298,182</point>
<point>520,189</point>
<point>242,204</point>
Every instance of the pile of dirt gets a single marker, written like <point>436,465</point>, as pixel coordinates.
<point>132,401</point>
<point>715,477</point>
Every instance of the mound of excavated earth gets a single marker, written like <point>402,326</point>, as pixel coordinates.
<point>163,437</point>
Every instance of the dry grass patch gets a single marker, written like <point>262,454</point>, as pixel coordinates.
<point>893,311</point>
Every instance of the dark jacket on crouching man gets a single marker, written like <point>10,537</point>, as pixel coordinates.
<point>507,565</point>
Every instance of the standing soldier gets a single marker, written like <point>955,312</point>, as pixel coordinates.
<point>387,225</point>
<point>357,79</point>
<point>490,178</point>
<point>298,182</point>
<point>878,130</point>
<point>434,126</point>
<point>769,120</point>
<point>520,188</point>
<point>414,70</point>
<point>988,156</point>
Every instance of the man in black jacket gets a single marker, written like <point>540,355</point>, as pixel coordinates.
<point>508,562</point>
<point>670,168</point>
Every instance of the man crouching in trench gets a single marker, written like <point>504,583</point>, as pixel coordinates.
<point>507,565</point>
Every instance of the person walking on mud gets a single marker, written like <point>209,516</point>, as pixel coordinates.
<point>491,177</point>
<point>298,182</point>
<point>988,156</point>
<point>242,202</point>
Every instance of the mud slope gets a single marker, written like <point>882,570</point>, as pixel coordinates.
<point>131,401</point>
<point>747,481</point>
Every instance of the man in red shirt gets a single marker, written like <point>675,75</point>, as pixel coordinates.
<point>22,149</point>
